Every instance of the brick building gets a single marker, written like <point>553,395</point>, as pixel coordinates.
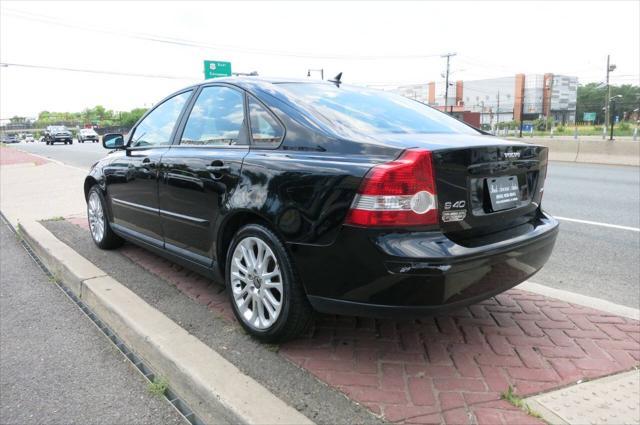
<point>503,99</point>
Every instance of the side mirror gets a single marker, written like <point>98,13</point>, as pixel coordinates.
<point>113,141</point>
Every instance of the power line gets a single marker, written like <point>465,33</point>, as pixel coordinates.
<point>195,43</point>
<point>94,71</point>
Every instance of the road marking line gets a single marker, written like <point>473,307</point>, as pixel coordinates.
<point>597,223</point>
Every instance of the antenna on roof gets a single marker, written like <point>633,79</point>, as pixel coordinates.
<point>336,79</point>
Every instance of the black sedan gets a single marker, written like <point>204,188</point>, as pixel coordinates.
<point>318,195</point>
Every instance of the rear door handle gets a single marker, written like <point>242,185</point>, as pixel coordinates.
<point>217,167</point>
<point>147,162</point>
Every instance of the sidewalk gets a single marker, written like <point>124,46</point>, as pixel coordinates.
<point>32,188</point>
<point>448,369</point>
<point>62,370</point>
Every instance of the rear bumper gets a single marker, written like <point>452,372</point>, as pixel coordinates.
<point>419,273</point>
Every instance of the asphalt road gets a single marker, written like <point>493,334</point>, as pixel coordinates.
<point>590,259</point>
<point>56,367</point>
<point>81,155</point>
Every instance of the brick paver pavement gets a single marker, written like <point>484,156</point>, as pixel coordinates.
<point>10,156</point>
<point>450,368</point>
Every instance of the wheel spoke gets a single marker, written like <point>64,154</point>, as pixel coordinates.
<point>240,267</point>
<point>269,275</point>
<point>247,258</point>
<point>271,308</point>
<point>240,277</point>
<point>272,300</point>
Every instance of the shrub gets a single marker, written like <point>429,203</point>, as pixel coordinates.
<point>624,126</point>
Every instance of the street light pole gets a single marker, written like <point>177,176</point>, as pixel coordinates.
<point>607,113</point>
<point>321,71</point>
<point>612,102</point>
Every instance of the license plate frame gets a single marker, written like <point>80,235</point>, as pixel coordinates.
<point>504,192</point>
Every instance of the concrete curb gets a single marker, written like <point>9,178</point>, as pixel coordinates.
<point>214,388</point>
<point>583,300</point>
<point>591,151</point>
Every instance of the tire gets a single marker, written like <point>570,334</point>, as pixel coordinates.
<point>97,217</point>
<point>294,314</point>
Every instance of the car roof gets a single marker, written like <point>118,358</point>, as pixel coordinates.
<point>247,82</point>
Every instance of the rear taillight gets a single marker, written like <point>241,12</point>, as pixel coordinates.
<point>398,193</point>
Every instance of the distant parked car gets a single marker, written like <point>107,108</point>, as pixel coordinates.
<point>10,138</point>
<point>87,134</point>
<point>28,138</point>
<point>57,133</point>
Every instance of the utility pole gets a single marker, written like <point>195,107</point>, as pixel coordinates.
<point>446,81</point>
<point>521,110</point>
<point>498,111</point>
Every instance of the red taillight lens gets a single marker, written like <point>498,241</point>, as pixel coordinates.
<point>398,193</point>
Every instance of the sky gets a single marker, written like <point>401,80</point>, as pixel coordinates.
<point>372,43</point>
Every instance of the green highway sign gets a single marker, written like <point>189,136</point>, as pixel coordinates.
<point>216,69</point>
<point>589,116</point>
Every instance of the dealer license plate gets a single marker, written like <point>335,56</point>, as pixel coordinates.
<point>504,192</point>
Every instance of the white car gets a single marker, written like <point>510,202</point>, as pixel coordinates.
<point>87,134</point>
<point>28,138</point>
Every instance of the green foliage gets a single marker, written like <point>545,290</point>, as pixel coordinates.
<point>97,116</point>
<point>592,97</point>
<point>624,126</point>
<point>511,125</point>
<point>17,120</point>
<point>511,397</point>
<point>541,124</point>
<point>128,119</point>
<point>158,386</point>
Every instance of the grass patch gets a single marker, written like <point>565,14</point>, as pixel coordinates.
<point>272,347</point>
<point>511,397</point>
<point>158,386</point>
<point>56,218</point>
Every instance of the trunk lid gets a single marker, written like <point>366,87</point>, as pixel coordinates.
<point>487,189</point>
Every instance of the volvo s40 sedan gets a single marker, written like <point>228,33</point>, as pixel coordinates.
<point>306,196</point>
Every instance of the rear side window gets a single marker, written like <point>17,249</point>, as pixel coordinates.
<point>366,111</point>
<point>217,119</point>
<point>157,127</point>
<point>265,128</point>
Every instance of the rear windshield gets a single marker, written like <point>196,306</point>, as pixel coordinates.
<point>370,111</point>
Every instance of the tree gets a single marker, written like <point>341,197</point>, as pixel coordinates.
<point>17,120</point>
<point>592,96</point>
<point>96,116</point>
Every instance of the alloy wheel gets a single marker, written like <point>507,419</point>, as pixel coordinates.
<point>96,217</point>
<point>256,282</point>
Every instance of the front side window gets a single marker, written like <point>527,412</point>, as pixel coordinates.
<point>265,129</point>
<point>217,119</point>
<point>157,127</point>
